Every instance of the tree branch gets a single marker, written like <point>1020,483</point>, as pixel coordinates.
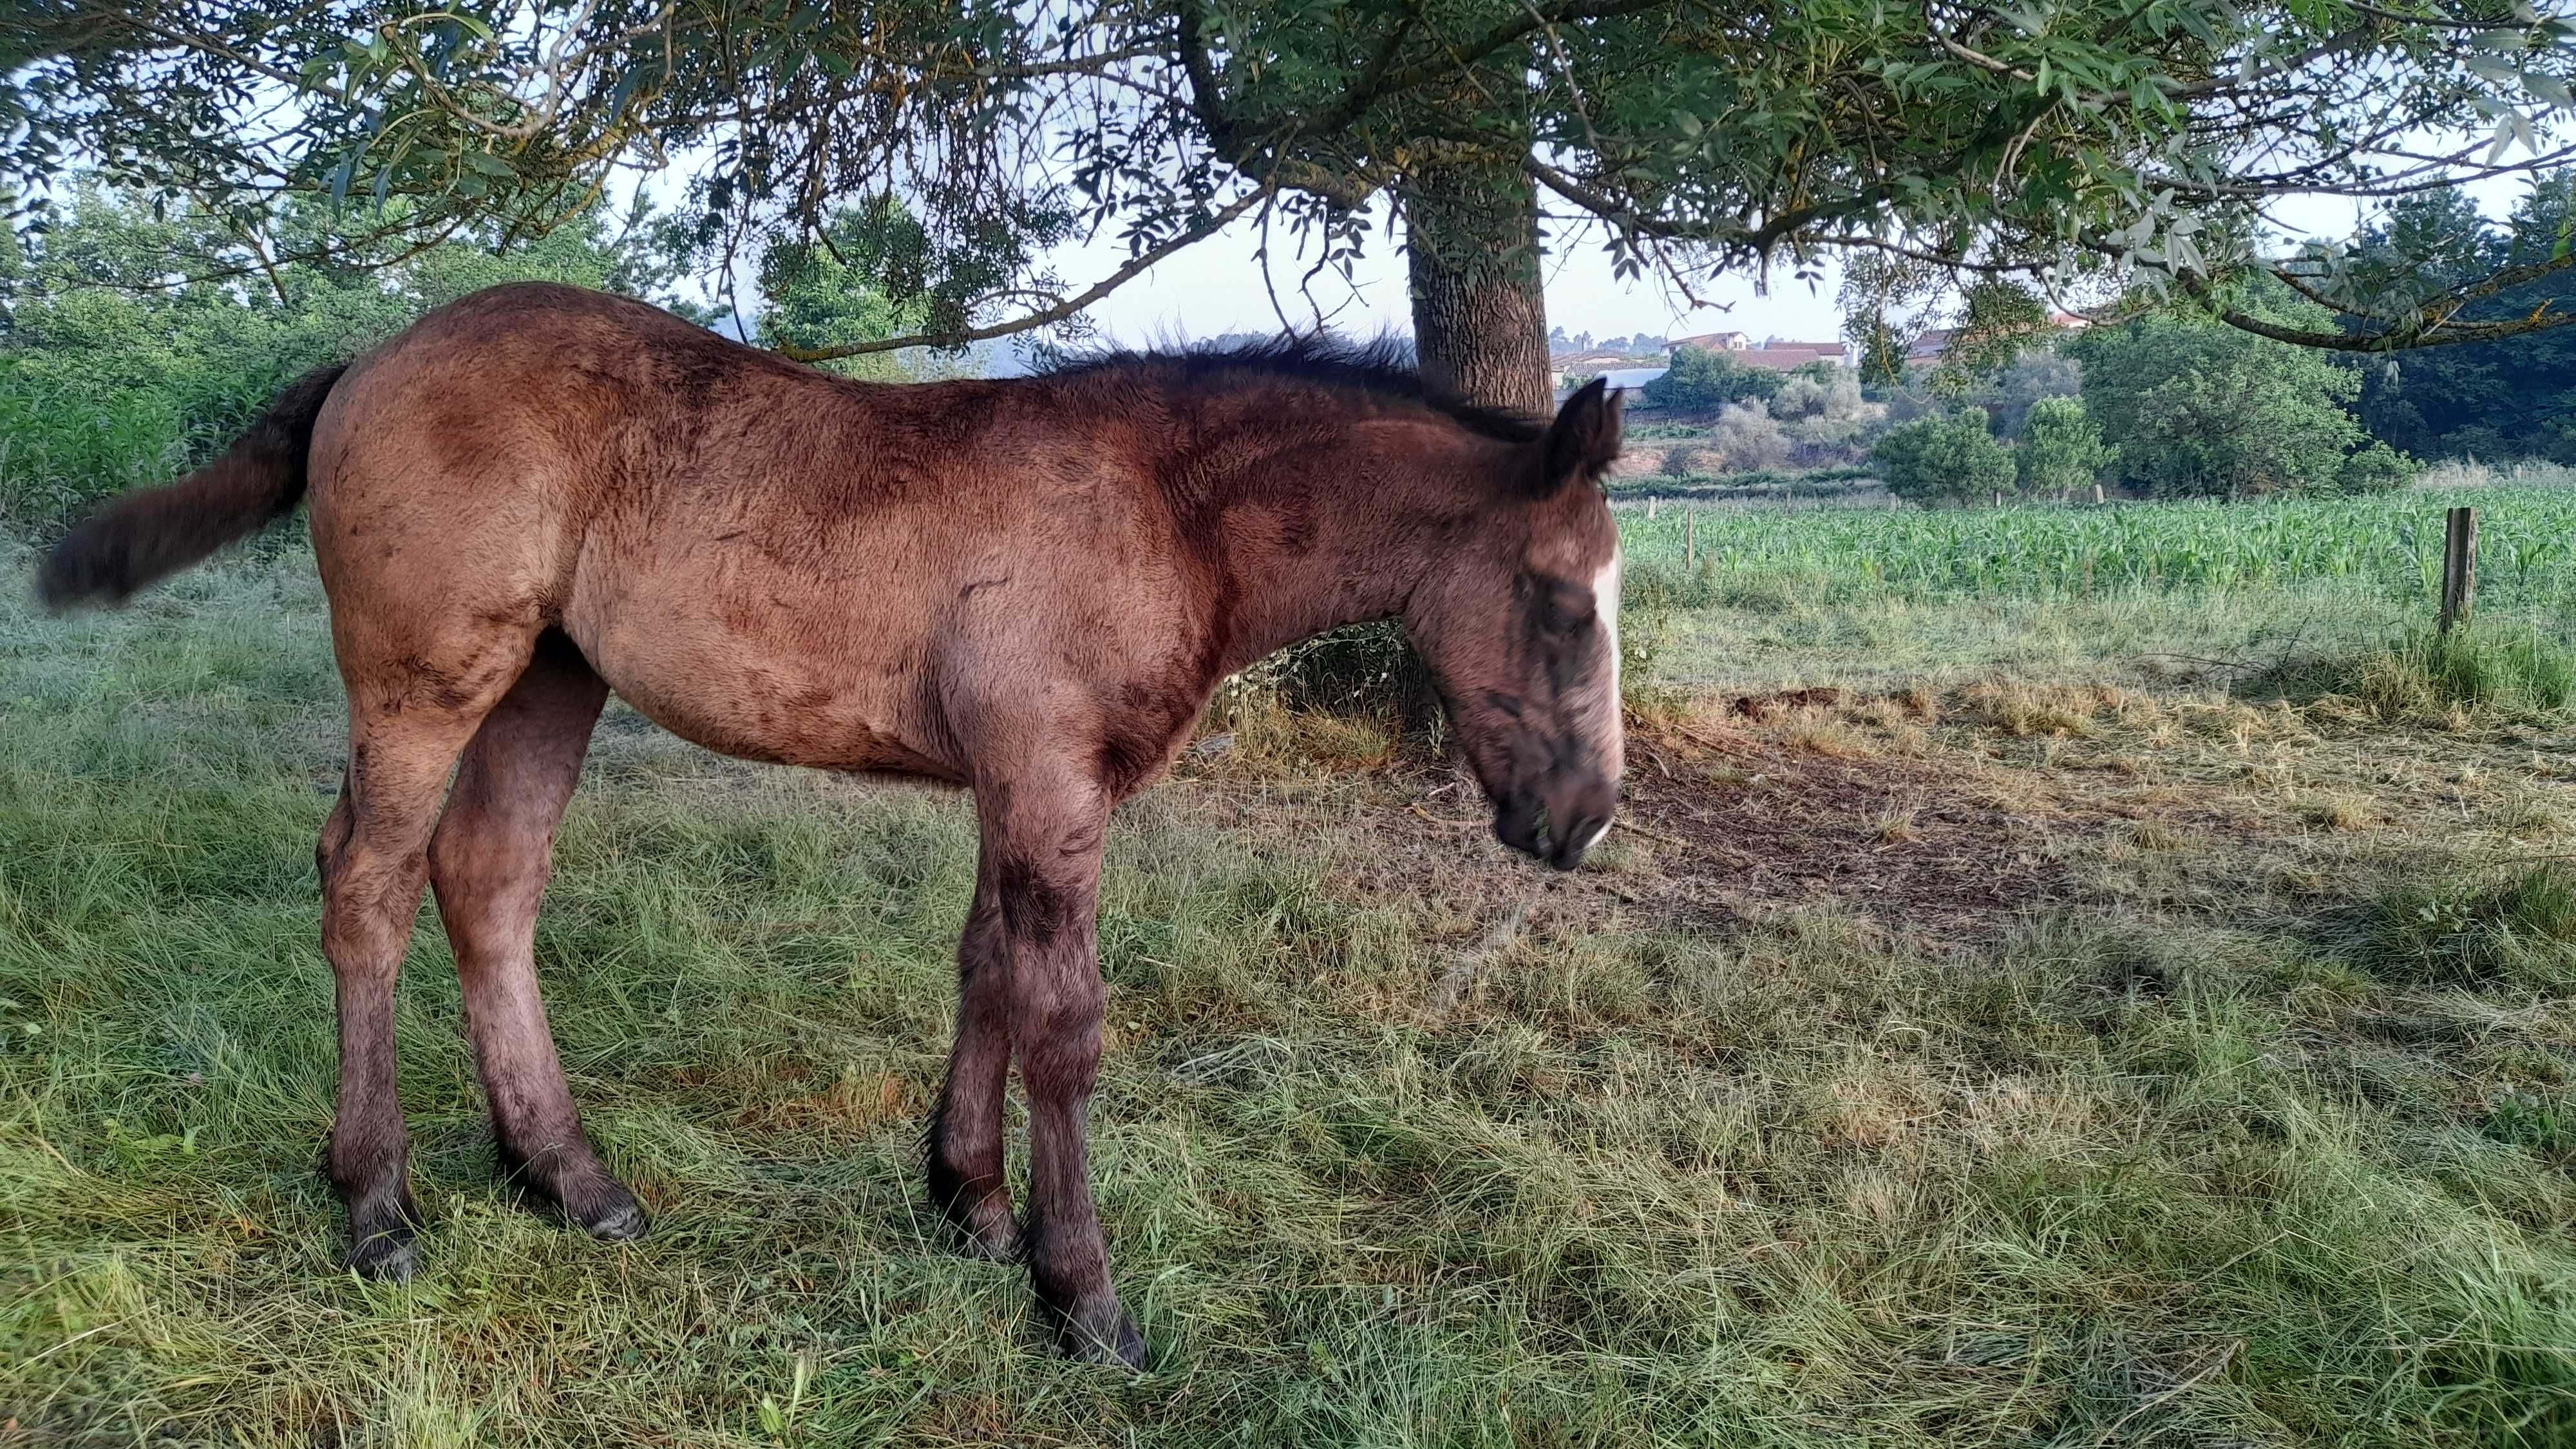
<point>1136,266</point>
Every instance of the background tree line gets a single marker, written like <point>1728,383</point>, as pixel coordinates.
<point>2169,402</point>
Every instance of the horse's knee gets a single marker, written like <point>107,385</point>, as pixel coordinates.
<point>1059,1035</point>
<point>458,861</point>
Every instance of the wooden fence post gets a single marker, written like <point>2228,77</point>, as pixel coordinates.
<point>2097,493</point>
<point>1651,500</point>
<point>2459,567</point>
<point>1690,537</point>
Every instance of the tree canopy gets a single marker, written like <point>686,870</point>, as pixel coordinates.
<point>2515,398</point>
<point>1702,380</point>
<point>117,371</point>
<point>2061,448</point>
<point>2084,144</point>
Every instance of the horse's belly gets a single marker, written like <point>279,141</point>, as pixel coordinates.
<point>845,708</point>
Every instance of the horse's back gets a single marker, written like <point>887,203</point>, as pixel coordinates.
<point>767,560</point>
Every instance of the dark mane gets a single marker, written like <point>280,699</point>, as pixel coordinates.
<point>1384,367</point>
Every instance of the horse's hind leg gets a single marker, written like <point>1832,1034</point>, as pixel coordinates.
<point>488,863</point>
<point>407,722</point>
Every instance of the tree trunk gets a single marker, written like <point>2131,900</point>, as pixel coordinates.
<point>1479,313</point>
<point>1479,322</point>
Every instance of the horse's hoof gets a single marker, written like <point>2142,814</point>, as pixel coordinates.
<point>599,1205</point>
<point>391,1256</point>
<point>1103,1335</point>
<point>621,1221</point>
<point>581,1194</point>
<point>992,1235</point>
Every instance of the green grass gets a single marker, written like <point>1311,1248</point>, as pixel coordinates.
<point>2388,544</point>
<point>2520,929</point>
<point>2483,667</point>
<point>2123,1176</point>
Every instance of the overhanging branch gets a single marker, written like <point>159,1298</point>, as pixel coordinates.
<point>1135,267</point>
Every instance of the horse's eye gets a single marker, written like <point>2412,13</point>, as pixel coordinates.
<point>1565,609</point>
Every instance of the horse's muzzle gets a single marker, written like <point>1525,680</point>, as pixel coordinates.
<point>1559,825</point>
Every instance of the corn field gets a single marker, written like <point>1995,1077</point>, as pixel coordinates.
<point>2392,542</point>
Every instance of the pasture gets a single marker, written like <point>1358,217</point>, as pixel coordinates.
<point>2065,977</point>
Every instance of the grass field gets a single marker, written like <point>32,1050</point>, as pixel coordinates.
<point>2389,544</point>
<point>1993,1028</point>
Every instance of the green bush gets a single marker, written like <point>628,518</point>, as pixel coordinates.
<point>2378,468</point>
<point>1938,459</point>
<point>2061,447</point>
<point>2199,409</point>
<point>112,376</point>
<point>1701,381</point>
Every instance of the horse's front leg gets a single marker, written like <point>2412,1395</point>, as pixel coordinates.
<point>1041,856</point>
<point>965,1146</point>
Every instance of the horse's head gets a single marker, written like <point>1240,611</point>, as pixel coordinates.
<point>1520,623</point>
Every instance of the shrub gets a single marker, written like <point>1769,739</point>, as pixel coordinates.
<point>1700,381</point>
<point>1747,437</point>
<point>1688,461</point>
<point>2378,469</point>
<point>2034,374</point>
<point>2061,447</point>
<point>1944,460</point>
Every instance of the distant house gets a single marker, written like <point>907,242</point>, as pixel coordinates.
<point>1776,354</point>
<point>1779,354</point>
<point>1931,347</point>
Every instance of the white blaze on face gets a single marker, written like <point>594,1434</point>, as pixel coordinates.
<point>1605,603</point>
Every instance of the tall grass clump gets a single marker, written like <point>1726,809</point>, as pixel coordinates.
<point>2455,473</point>
<point>2511,672</point>
<point>2520,931</point>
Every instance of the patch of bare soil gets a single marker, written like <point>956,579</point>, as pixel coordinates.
<point>1752,825</point>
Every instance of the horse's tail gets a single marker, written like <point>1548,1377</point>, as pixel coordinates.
<point>152,533</point>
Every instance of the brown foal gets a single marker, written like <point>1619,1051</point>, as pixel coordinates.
<point>1030,587</point>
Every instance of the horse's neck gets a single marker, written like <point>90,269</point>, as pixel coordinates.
<point>1357,560</point>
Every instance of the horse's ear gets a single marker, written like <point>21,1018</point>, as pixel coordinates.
<point>1585,437</point>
